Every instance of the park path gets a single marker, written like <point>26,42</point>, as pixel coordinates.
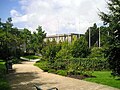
<point>26,75</point>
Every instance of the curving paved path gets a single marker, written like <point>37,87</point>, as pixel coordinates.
<point>26,75</point>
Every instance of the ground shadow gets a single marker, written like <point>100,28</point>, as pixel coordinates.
<point>24,80</point>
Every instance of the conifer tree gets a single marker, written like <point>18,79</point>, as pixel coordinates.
<point>112,18</point>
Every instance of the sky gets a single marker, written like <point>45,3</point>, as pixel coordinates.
<point>55,16</point>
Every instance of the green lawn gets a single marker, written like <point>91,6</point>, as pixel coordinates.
<point>4,85</point>
<point>32,57</point>
<point>104,77</point>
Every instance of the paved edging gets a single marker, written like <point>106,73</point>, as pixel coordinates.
<point>26,59</point>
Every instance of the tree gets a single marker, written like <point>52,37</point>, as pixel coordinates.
<point>104,36</point>
<point>113,20</point>
<point>37,39</point>
<point>80,48</point>
<point>94,31</point>
<point>51,50</point>
<point>26,36</point>
<point>96,52</point>
<point>6,38</point>
<point>65,51</point>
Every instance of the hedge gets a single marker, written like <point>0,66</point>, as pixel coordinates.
<point>74,66</point>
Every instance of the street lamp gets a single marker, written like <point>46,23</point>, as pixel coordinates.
<point>89,38</point>
<point>99,37</point>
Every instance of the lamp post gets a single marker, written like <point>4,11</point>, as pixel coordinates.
<point>89,38</point>
<point>99,37</point>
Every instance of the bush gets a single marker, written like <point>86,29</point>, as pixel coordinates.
<point>4,85</point>
<point>44,65</point>
<point>60,64</point>
<point>32,57</point>
<point>114,61</point>
<point>28,54</point>
<point>65,51</point>
<point>62,72</point>
<point>51,71</point>
<point>74,66</point>
<point>80,48</point>
<point>89,64</point>
<point>16,60</point>
<point>97,52</point>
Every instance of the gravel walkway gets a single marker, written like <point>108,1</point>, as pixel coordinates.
<point>26,75</point>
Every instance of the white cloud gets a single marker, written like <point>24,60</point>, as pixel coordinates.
<point>58,15</point>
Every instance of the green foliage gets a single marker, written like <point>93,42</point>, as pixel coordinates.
<point>62,72</point>
<point>4,85</point>
<point>94,33</point>
<point>14,42</point>
<point>9,40</point>
<point>74,66</point>
<point>51,50</point>
<point>16,61</point>
<point>104,77</point>
<point>26,36</point>
<point>104,36</point>
<point>80,48</point>
<point>32,57</point>
<point>37,40</point>
<point>2,67</point>
<point>114,60</point>
<point>44,65</point>
<point>60,64</point>
<point>83,66</point>
<point>65,51</point>
<point>113,20</point>
<point>97,52</point>
<point>51,71</point>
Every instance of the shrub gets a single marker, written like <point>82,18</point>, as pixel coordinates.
<point>51,50</point>
<point>44,65</point>
<point>97,52</point>
<point>80,48</point>
<point>65,51</point>
<point>74,66</point>
<point>89,64</point>
<point>62,72</point>
<point>4,85</point>
<point>16,60</point>
<point>32,57</point>
<point>60,64</point>
<point>52,71</point>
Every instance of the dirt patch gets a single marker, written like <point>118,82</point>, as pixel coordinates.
<point>81,77</point>
<point>77,76</point>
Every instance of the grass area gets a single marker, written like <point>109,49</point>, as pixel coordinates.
<point>104,77</point>
<point>32,57</point>
<point>4,85</point>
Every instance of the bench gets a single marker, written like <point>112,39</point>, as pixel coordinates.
<point>39,88</point>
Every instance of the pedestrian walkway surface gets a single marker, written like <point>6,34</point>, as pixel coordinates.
<point>26,75</point>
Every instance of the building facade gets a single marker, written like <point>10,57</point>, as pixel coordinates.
<point>63,37</point>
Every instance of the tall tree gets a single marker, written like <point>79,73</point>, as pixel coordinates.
<point>26,36</point>
<point>37,39</point>
<point>113,20</point>
<point>80,48</point>
<point>94,35</point>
